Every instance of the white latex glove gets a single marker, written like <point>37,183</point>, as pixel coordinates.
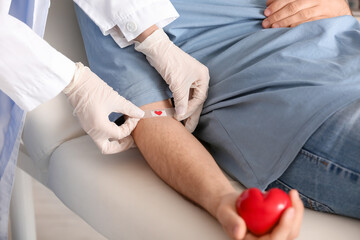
<point>93,100</point>
<point>187,78</point>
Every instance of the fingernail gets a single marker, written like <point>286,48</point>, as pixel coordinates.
<point>267,12</point>
<point>235,231</point>
<point>275,25</point>
<point>266,23</point>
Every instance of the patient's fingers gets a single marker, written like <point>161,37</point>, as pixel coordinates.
<point>277,4</point>
<point>294,20</point>
<point>289,12</point>
<point>299,213</point>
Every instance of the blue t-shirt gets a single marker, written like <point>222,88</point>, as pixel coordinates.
<point>270,89</point>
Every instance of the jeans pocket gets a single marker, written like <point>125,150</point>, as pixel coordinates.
<point>308,202</point>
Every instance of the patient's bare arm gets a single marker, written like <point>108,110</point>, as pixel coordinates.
<point>183,163</point>
<point>164,142</point>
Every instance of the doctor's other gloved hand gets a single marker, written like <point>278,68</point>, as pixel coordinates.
<point>93,100</point>
<point>187,78</point>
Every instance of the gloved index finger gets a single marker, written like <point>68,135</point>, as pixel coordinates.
<point>193,120</point>
<point>181,99</point>
<point>112,131</point>
<point>128,108</point>
<point>196,100</point>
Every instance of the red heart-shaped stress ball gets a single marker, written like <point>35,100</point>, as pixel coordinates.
<point>261,211</point>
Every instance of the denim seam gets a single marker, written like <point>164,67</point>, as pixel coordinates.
<point>232,141</point>
<point>314,116</point>
<point>311,155</point>
<point>310,200</point>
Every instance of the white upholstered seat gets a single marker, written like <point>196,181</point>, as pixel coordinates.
<point>119,195</point>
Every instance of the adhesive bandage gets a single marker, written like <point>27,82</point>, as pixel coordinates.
<point>166,112</point>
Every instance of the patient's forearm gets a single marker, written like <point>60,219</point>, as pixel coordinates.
<point>183,163</point>
<point>180,160</point>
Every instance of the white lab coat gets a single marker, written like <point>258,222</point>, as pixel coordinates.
<point>32,72</point>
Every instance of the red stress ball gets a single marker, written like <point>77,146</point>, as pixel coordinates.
<point>262,211</point>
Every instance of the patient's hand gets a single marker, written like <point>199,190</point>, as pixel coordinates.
<point>291,13</point>
<point>287,229</point>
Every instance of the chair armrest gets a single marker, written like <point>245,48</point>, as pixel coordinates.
<point>47,127</point>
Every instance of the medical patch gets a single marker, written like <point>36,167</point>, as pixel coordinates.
<point>166,112</point>
<point>158,113</point>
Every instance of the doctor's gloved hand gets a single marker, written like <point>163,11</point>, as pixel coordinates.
<point>187,78</point>
<point>93,100</point>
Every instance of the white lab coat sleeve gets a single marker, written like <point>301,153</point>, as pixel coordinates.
<point>124,20</point>
<point>31,71</point>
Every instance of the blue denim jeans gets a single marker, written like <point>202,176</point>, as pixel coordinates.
<point>326,172</point>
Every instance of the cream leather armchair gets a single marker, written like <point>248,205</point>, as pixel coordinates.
<point>119,195</point>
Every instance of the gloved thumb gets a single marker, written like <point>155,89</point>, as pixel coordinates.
<point>127,127</point>
<point>192,121</point>
<point>116,146</point>
<point>181,101</point>
<point>119,132</point>
<point>128,108</point>
<point>117,138</point>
